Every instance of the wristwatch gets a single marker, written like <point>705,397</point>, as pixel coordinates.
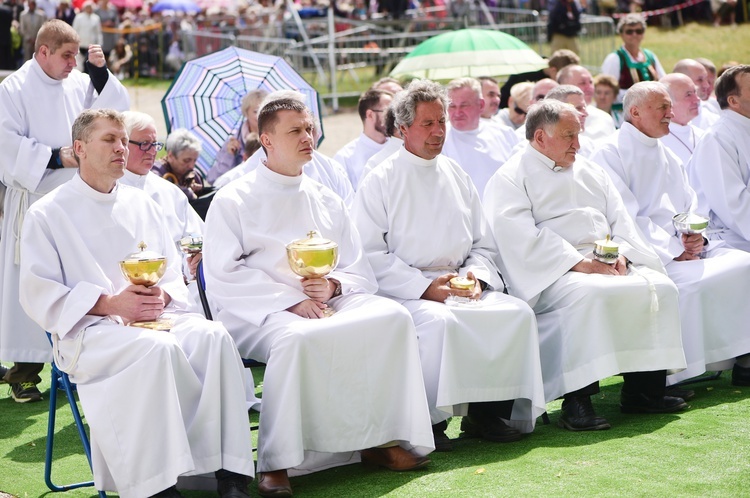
<point>337,290</point>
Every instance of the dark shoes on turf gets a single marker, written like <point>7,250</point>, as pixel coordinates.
<point>578,415</point>
<point>490,428</point>
<point>642,403</point>
<point>740,376</point>
<point>25,392</point>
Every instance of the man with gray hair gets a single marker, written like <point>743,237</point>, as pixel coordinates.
<point>549,209</point>
<point>189,415</point>
<point>479,146</point>
<point>713,281</point>
<point>686,105</point>
<point>179,215</point>
<point>477,345</point>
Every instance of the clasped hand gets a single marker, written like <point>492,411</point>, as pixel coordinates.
<point>439,289</point>
<point>693,244</point>
<point>588,265</point>
<point>320,291</point>
<point>138,303</point>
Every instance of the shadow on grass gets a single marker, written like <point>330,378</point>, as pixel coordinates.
<point>473,454</point>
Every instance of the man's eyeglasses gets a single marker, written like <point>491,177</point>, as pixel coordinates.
<point>518,110</point>
<point>638,31</point>
<point>146,146</point>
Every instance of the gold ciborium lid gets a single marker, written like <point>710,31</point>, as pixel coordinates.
<point>144,267</point>
<point>313,257</point>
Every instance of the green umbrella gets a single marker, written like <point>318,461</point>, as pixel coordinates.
<point>468,52</point>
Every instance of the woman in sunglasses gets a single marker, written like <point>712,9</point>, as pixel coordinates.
<point>630,63</point>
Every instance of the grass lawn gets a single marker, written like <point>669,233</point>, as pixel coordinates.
<point>702,451</point>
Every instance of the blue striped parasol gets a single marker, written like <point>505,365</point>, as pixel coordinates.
<point>206,94</point>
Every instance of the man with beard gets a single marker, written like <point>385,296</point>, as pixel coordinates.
<point>354,155</point>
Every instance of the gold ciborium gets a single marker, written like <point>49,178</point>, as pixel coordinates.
<point>146,268</point>
<point>606,251</point>
<point>313,257</point>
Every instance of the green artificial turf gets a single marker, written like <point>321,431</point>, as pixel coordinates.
<point>700,452</point>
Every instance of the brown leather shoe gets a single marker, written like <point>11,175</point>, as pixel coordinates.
<point>274,484</point>
<point>394,458</point>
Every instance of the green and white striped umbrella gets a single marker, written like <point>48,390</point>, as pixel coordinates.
<point>468,52</point>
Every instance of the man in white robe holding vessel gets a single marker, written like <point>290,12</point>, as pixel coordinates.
<point>422,226</point>
<point>548,208</point>
<point>40,102</point>
<point>186,414</point>
<point>719,170</point>
<point>337,387</point>
<point>713,281</point>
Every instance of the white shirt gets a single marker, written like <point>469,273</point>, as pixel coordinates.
<point>354,155</point>
<point>682,140</point>
<point>482,151</point>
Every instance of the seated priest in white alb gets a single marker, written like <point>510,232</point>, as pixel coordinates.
<point>514,116</point>
<point>354,155</point>
<point>573,95</point>
<point>477,145</point>
<point>548,209</point>
<point>335,387</point>
<point>599,123</point>
<point>683,134</point>
<point>719,170</point>
<point>422,225</point>
<point>321,168</point>
<point>713,281</point>
<point>159,404</point>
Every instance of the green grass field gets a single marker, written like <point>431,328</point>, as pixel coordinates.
<point>701,452</point>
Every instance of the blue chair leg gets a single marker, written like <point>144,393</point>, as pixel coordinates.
<point>60,379</point>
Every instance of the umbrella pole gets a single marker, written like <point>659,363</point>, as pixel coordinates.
<point>332,57</point>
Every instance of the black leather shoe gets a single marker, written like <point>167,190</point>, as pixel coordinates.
<point>578,415</point>
<point>642,403</point>
<point>676,392</point>
<point>740,376</point>
<point>274,484</point>
<point>491,428</point>
<point>231,484</point>
<point>442,441</point>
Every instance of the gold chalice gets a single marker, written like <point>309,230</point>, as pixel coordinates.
<point>313,257</point>
<point>146,268</point>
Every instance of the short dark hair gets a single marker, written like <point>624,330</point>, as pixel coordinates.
<point>268,114</point>
<point>726,84</point>
<point>369,100</point>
